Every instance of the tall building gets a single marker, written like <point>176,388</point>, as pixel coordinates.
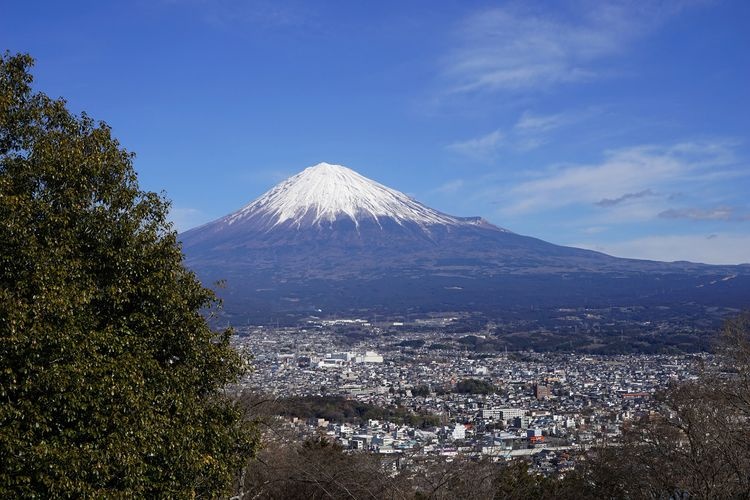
<point>502,414</point>
<point>459,431</point>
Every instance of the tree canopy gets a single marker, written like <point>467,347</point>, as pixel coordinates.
<point>474,386</point>
<point>110,377</point>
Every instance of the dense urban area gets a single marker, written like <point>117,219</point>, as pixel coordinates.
<point>411,390</point>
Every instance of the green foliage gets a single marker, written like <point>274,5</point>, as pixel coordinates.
<point>474,386</point>
<point>110,378</point>
<point>439,346</point>
<point>416,343</point>
<point>421,390</point>
<point>339,409</point>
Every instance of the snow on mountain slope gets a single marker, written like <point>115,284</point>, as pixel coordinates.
<point>325,193</point>
<point>329,238</point>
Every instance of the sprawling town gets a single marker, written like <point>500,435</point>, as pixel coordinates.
<point>542,407</point>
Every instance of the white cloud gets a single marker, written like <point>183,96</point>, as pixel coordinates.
<point>482,148</point>
<point>533,130</point>
<point>521,48</point>
<point>699,214</point>
<point>529,132</point>
<point>449,187</point>
<point>710,249</point>
<point>530,122</point>
<point>640,169</point>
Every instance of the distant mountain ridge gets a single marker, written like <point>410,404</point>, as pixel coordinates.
<point>328,230</point>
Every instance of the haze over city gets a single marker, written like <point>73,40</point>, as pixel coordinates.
<point>620,127</point>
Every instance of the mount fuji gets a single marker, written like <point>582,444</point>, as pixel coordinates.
<point>330,240</point>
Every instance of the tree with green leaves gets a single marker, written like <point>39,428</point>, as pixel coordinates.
<point>111,380</point>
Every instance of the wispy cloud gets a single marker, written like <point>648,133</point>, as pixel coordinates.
<point>705,214</point>
<point>610,202</point>
<point>520,47</point>
<point>710,249</point>
<point>533,130</point>
<point>449,187</point>
<point>530,122</point>
<point>529,132</point>
<point>625,174</point>
<point>482,148</point>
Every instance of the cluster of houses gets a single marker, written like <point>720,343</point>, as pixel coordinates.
<point>541,406</point>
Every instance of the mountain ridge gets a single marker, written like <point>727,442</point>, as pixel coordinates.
<point>328,227</point>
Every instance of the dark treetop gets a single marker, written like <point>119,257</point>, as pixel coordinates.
<point>110,378</point>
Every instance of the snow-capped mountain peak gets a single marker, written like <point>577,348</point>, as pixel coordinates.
<point>325,193</point>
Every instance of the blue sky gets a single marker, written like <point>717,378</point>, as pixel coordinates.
<point>620,126</point>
